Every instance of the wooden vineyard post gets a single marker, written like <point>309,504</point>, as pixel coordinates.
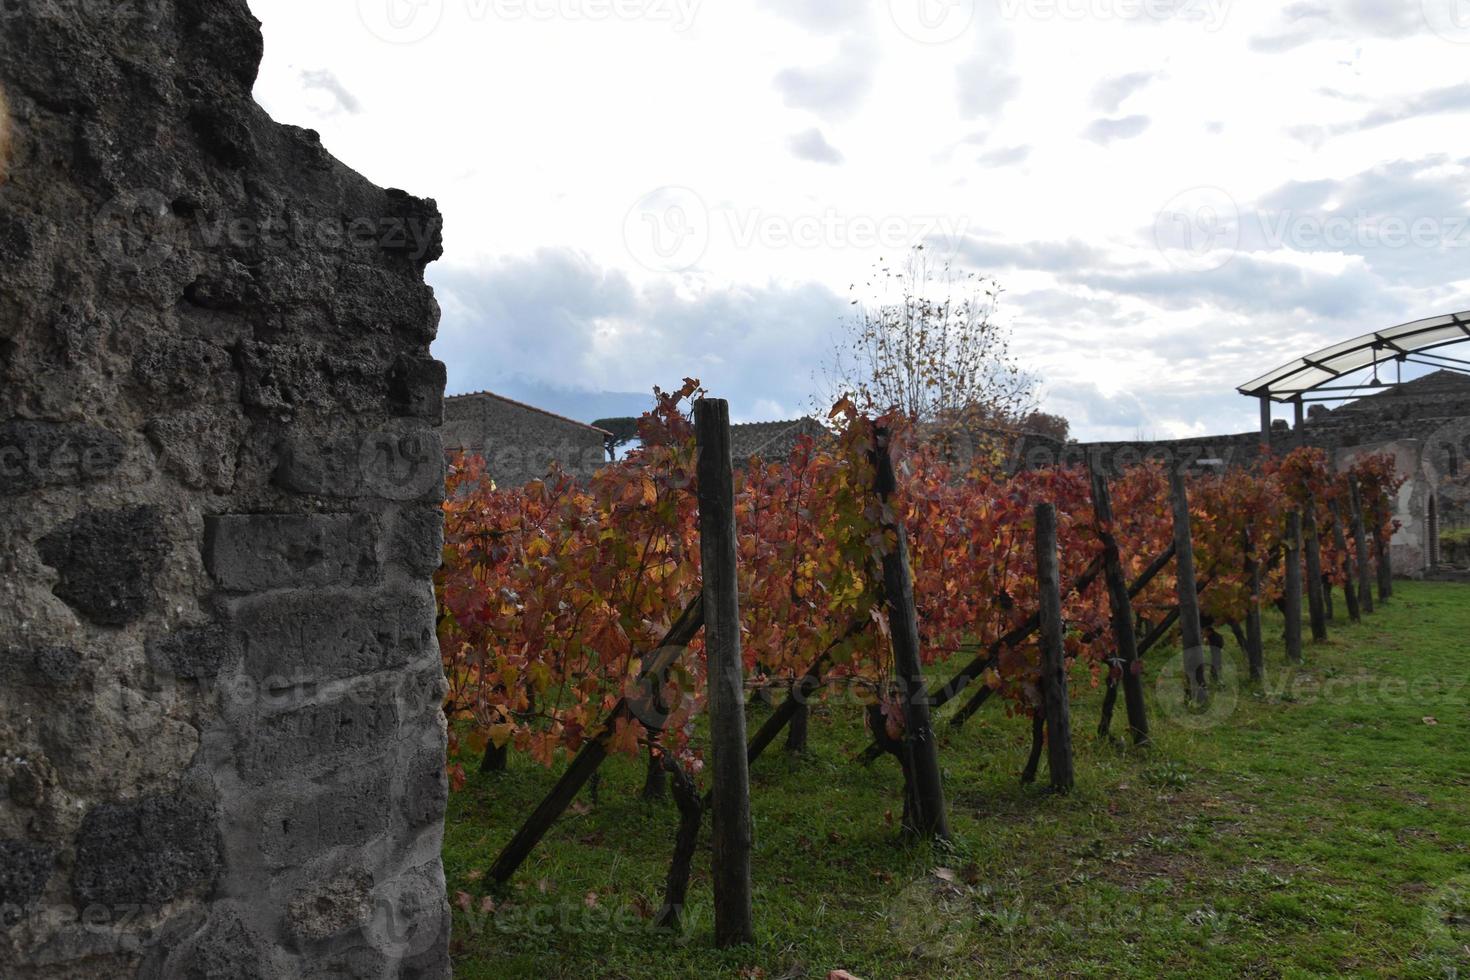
<point>1316,599</point>
<point>1293,610</point>
<point>1349,588</point>
<point>1193,632</point>
<point>1255,647</point>
<point>730,809</point>
<point>1360,539</point>
<point>921,749</point>
<point>1124,634</point>
<point>1053,652</point>
<point>1381,512</point>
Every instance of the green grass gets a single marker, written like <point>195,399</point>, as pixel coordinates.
<point>1321,827</point>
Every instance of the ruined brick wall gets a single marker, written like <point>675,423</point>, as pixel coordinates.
<point>221,742</point>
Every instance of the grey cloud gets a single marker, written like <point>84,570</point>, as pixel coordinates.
<point>1350,20</point>
<point>986,79</point>
<point>1004,156</point>
<point>1043,256</point>
<point>1248,285</point>
<point>1111,93</point>
<point>561,321</point>
<point>1450,100</point>
<point>1373,215</point>
<point>1105,131</point>
<point>811,145</point>
<point>835,89</point>
<point>325,81</point>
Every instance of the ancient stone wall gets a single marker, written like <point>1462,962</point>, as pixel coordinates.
<point>221,740</point>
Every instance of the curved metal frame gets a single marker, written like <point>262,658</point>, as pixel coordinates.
<point>1294,382</point>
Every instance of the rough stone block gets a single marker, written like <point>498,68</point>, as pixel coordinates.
<point>145,853</point>
<point>194,652</point>
<point>341,814</point>
<point>185,371</point>
<point>25,867</point>
<point>256,552</point>
<point>46,666</point>
<point>220,948</point>
<point>399,461</point>
<point>286,379</point>
<point>53,454</point>
<point>307,637</point>
<point>108,561</point>
<point>426,787</point>
<point>199,448</point>
<point>418,540</point>
<point>416,385</point>
<point>285,742</point>
<point>323,910</point>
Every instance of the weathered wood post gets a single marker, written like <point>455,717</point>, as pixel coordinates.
<point>1189,621</point>
<point>898,590</point>
<point>1316,600</point>
<point>1255,646</point>
<point>730,809</point>
<point>1360,540</point>
<point>1053,652</point>
<point>1382,515</point>
<point>1349,588</point>
<point>1293,601</point>
<point>1124,634</point>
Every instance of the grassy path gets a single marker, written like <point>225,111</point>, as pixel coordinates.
<point>1317,827</point>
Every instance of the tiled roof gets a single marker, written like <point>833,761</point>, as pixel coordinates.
<point>753,438</point>
<point>529,408</point>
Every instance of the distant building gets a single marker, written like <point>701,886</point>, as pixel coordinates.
<point>771,441</point>
<point>520,442</point>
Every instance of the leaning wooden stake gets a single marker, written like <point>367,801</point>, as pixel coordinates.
<point>1192,631</point>
<point>1124,634</point>
<point>1360,539</point>
<point>1349,587</point>
<point>1255,648</point>
<point>898,592</point>
<point>1316,599</point>
<point>691,815</point>
<point>730,773</point>
<point>1053,652</point>
<point>655,665</point>
<point>1292,602</point>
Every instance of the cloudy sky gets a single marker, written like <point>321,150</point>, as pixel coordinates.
<point>1177,195</point>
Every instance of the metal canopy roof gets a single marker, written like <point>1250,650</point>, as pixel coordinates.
<point>1317,371</point>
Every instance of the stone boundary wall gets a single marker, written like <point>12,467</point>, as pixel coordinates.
<point>221,735</point>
